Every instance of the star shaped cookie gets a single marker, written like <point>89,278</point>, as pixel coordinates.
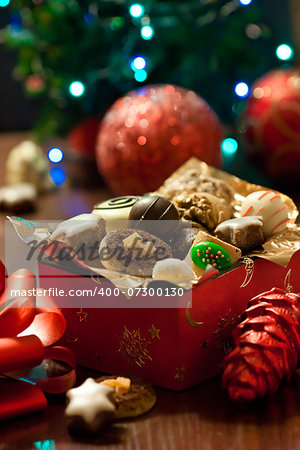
<point>90,406</point>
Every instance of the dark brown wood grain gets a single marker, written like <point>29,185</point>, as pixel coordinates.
<point>199,418</point>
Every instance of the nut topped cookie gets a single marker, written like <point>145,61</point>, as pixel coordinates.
<point>193,181</point>
<point>138,398</point>
<point>206,209</point>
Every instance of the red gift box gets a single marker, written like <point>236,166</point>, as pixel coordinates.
<point>175,348</point>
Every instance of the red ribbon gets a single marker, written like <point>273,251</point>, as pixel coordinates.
<point>29,326</point>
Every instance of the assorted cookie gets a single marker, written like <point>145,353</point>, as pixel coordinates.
<point>209,250</point>
<point>183,237</point>
<point>18,198</point>
<point>204,208</point>
<point>133,396</point>
<point>90,407</point>
<point>243,232</point>
<point>98,403</point>
<point>193,181</point>
<point>84,230</point>
<point>133,252</point>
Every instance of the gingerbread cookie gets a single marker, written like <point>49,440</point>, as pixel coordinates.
<point>135,398</point>
<point>206,209</point>
<point>244,232</point>
<point>132,252</point>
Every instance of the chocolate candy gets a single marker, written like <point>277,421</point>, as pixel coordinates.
<point>153,208</point>
<point>206,253</point>
<point>116,209</point>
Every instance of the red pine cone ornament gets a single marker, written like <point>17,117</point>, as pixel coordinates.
<point>267,346</point>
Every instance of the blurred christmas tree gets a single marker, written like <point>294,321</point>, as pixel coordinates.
<point>80,56</point>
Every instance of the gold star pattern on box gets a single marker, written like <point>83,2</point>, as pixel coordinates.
<point>134,347</point>
<point>154,332</point>
<point>223,332</point>
<point>180,373</point>
<point>82,315</point>
<point>226,323</point>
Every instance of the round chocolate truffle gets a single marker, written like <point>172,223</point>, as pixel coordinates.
<point>153,208</point>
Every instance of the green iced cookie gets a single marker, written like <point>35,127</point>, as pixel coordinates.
<point>206,253</point>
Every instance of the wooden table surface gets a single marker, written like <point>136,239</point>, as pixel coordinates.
<point>199,418</point>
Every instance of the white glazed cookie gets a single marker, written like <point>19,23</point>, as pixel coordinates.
<point>27,163</point>
<point>18,198</point>
<point>90,406</point>
<point>243,232</point>
<point>83,229</point>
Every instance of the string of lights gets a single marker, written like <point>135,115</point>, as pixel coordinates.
<point>81,58</point>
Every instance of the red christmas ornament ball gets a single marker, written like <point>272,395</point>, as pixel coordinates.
<point>149,133</point>
<point>271,123</point>
<point>82,138</point>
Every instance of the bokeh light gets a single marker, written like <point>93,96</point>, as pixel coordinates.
<point>147,32</point>
<point>253,31</point>
<point>245,2</point>
<point>229,146</point>
<point>55,155</point>
<point>139,63</point>
<point>4,3</point>
<point>284,52</point>
<point>140,75</point>
<point>136,10</point>
<point>76,88</point>
<point>242,89</point>
<point>58,175</point>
